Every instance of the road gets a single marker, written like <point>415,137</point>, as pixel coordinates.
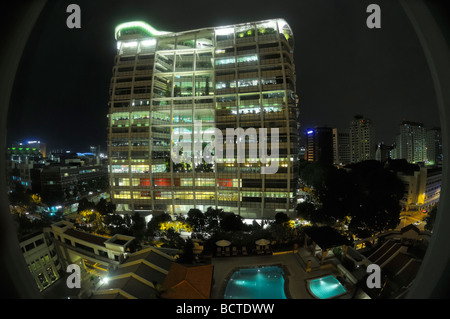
<point>412,217</point>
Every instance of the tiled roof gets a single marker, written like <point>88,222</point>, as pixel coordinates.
<point>138,276</point>
<point>132,286</point>
<point>409,273</point>
<point>188,282</point>
<point>391,252</point>
<point>142,270</point>
<point>396,264</point>
<point>151,255</point>
<point>410,227</point>
<point>381,251</point>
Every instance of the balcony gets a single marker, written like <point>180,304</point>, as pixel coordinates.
<point>270,61</point>
<point>246,89</point>
<point>225,43</point>
<point>125,63</point>
<point>246,39</point>
<point>225,91</point>
<point>249,102</point>
<point>270,49</point>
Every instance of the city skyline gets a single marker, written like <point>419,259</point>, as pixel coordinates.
<point>343,68</point>
<point>356,218</point>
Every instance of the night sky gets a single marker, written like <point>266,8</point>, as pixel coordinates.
<point>343,68</point>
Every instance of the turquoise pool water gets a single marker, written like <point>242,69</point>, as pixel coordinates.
<point>256,283</point>
<point>326,287</point>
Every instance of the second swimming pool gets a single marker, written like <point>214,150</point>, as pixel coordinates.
<point>326,287</point>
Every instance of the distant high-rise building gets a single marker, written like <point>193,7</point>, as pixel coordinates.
<point>411,142</point>
<point>383,152</point>
<point>30,150</point>
<point>341,147</point>
<point>95,150</point>
<point>319,145</point>
<point>395,153</point>
<point>236,76</point>
<point>434,146</point>
<point>362,139</point>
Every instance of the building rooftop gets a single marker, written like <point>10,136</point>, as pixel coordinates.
<point>132,285</point>
<point>152,256</point>
<point>141,29</point>
<point>137,277</point>
<point>382,250</point>
<point>144,270</point>
<point>396,264</point>
<point>184,282</point>
<point>94,239</point>
<point>408,274</point>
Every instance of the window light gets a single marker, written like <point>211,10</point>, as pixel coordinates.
<point>130,44</point>
<point>149,42</point>
<point>224,31</point>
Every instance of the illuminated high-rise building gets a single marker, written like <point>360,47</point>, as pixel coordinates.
<point>411,142</point>
<point>434,146</point>
<point>237,76</point>
<point>341,147</point>
<point>362,139</point>
<point>319,145</point>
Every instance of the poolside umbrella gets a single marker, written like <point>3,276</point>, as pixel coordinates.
<point>262,242</point>
<point>223,243</point>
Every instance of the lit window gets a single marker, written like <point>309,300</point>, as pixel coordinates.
<point>149,42</point>
<point>225,61</point>
<point>131,44</point>
<point>249,58</point>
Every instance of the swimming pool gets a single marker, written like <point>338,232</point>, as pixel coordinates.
<point>326,287</point>
<point>256,283</point>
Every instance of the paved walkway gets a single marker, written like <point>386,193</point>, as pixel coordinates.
<point>293,263</point>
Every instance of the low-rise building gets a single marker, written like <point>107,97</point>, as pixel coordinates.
<point>41,257</point>
<point>94,254</point>
<point>65,184</point>
<point>422,188</point>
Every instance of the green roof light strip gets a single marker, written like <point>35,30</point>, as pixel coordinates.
<point>139,24</point>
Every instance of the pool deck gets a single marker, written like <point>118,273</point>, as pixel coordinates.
<point>293,262</point>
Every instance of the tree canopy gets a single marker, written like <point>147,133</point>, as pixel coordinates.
<point>366,193</point>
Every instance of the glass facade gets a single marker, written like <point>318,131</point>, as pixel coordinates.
<point>239,76</point>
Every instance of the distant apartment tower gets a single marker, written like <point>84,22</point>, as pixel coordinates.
<point>411,142</point>
<point>362,139</point>
<point>383,152</point>
<point>341,147</point>
<point>319,144</point>
<point>236,76</point>
<point>434,146</point>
